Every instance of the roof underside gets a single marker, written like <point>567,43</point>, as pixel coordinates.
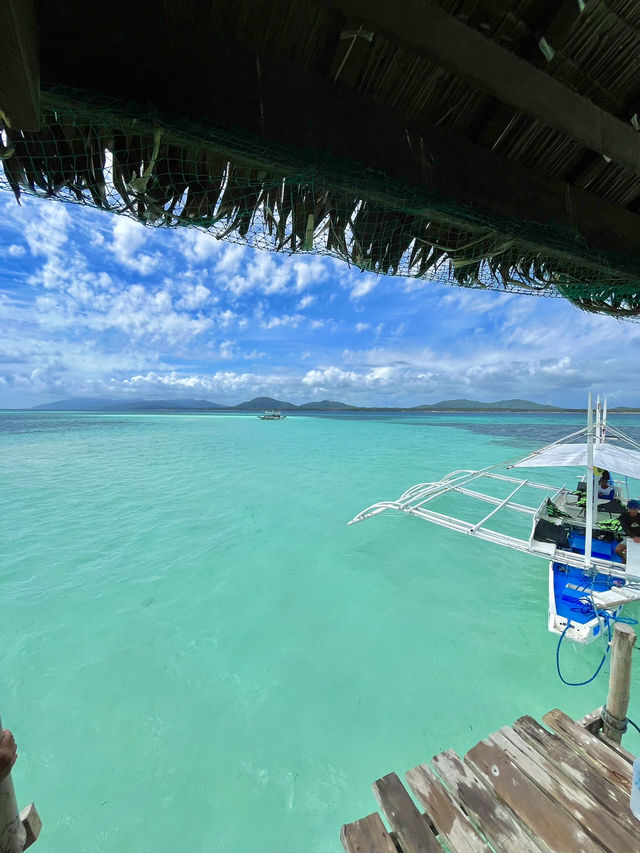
<point>487,143</point>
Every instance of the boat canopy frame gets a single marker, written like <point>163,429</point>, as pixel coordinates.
<point>415,501</point>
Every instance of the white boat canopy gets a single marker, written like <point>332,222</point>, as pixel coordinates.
<point>604,446</point>
<point>620,460</point>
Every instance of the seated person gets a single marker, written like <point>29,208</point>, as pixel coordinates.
<point>630,523</point>
<point>605,486</point>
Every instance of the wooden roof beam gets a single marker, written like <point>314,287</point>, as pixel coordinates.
<point>423,26</point>
<point>19,65</point>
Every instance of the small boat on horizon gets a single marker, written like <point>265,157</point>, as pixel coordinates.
<point>272,415</point>
<point>576,529</point>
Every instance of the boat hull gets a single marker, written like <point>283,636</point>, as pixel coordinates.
<point>571,602</point>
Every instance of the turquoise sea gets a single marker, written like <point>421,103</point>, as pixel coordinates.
<point>198,654</point>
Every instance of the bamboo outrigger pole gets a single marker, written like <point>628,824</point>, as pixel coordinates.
<point>18,830</point>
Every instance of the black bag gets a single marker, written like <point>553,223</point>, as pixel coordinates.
<point>547,531</point>
<point>604,535</point>
<point>613,507</point>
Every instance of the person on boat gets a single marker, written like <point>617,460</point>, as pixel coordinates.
<point>630,523</point>
<point>8,753</point>
<point>605,486</point>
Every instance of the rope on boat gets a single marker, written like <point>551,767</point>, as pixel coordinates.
<point>634,725</point>
<point>595,674</point>
<point>587,601</point>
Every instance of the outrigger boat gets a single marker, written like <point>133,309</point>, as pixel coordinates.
<point>571,527</point>
<point>272,415</point>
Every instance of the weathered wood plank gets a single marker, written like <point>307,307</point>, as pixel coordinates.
<point>411,828</point>
<point>591,721</point>
<point>616,747</point>
<point>498,823</point>
<point>589,747</point>
<point>367,836</point>
<point>426,27</point>
<point>535,809</point>
<point>19,64</point>
<point>446,815</point>
<point>32,824</point>
<point>599,823</point>
<point>599,783</point>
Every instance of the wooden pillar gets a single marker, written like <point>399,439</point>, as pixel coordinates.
<point>12,833</point>
<point>615,714</point>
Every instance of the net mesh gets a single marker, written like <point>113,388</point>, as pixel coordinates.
<point>185,173</point>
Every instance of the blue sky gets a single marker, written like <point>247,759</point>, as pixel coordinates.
<point>94,304</point>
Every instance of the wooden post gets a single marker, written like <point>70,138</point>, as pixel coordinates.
<point>615,714</point>
<point>12,833</point>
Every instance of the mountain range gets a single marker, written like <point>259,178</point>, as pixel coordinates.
<point>259,404</point>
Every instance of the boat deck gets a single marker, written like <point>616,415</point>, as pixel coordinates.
<point>524,788</point>
<point>576,515</point>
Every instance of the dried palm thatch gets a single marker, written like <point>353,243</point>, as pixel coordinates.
<point>255,192</point>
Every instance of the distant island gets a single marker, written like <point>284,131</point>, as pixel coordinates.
<point>259,404</point>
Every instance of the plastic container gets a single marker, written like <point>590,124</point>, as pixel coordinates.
<point>635,789</point>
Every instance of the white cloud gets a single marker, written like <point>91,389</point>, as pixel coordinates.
<point>231,257</point>
<point>305,302</point>
<point>73,326</point>
<point>365,283</point>
<point>75,298</point>
<point>264,274</point>
<point>291,320</point>
<point>308,271</point>
<point>193,296</point>
<point>128,237</point>
<point>221,382</point>
<point>45,228</point>
<point>329,377</point>
<point>199,247</point>
<point>227,350</point>
<point>227,318</point>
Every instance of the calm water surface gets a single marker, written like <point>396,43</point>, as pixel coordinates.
<point>199,654</point>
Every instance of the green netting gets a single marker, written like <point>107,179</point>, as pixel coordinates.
<point>183,173</point>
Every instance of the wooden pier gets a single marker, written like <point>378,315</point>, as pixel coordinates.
<point>564,787</point>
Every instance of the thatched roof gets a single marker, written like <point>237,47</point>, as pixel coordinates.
<point>303,126</point>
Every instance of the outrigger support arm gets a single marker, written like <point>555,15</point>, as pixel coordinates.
<point>500,505</point>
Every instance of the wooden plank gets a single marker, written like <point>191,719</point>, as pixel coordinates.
<point>591,721</point>
<point>599,785</point>
<point>616,747</point>
<point>535,809</point>
<point>589,747</point>
<point>296,106</point>
<point>19,64</point>
<point>498,823</point>
<point>367,836</point>
<point>425,27</point>
<point>32,824</point>
<point>443,811</point>
<point>598,822</point>
<point>411,828</point>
